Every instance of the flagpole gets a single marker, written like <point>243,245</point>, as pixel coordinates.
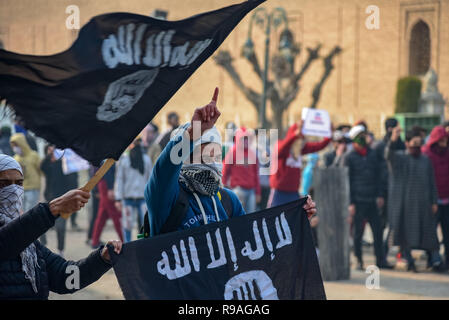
<point>94,180</point>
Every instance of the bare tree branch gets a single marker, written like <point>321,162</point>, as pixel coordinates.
<point>255,63</point>
<point>328,67</point>
<point>224,59</point>
<point>291,95</point>
<point>313,55</point>
<point>278,93</point>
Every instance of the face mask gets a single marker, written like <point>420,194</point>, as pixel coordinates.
<point>218,166</point>
<point>414,151</point>
<point>213,162</point>
<point>201,178</point>
<point>17,150</point>
<point>11,198</point>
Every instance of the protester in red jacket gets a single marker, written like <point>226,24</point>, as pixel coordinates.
<point>106,210</point>
<point>285,179</point>
<point>437,150</point>
<point>241,171</point>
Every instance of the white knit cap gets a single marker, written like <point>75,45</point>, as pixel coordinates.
<point>355,131</point>
<point>211,135</point>
<point>8,163</point>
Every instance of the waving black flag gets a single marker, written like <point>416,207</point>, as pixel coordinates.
<point>98,95</point>
<point>268,255</point>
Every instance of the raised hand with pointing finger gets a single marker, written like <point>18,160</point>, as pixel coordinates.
<point>206,115</point>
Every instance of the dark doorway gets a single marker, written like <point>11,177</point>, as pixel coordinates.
<point>419,62</point>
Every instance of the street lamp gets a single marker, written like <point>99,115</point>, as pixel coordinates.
<point>266,21</point>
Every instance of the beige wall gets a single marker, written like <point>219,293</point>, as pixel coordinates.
<point>362,85</point>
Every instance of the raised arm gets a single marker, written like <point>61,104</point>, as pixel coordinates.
<point>391,155</point>
<point>312,147</point>
<point>285,144</point>
<point>162,190</point>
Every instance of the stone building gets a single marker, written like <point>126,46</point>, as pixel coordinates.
<point>409,37</point>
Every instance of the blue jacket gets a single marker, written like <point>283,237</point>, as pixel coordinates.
<point>307,174</point>
<point>162,192</point>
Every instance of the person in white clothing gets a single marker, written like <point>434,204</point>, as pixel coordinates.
<point>133,171</point>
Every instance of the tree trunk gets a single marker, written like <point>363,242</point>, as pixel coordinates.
<point>278,121</point>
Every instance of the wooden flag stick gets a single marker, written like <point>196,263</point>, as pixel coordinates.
<point>98,175</point>
<point>94,180</point>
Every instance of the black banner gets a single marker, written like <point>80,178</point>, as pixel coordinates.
<point>98,95</point>
<point>268,255</point>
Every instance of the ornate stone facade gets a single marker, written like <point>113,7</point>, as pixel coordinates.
<point>362,85</point>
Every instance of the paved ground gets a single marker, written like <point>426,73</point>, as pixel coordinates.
<point>394,284</point>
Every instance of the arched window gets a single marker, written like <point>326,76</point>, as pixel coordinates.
<point>419,62</point>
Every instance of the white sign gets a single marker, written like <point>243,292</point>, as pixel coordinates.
<point>316,123</point>
<point>71,162</point>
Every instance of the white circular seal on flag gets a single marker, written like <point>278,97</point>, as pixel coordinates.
<point>124,93</point>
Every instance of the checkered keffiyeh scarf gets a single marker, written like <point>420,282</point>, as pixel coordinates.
<point>201,178</point>
<point>11,198</point>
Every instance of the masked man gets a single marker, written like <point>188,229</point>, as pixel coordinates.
<point>28,270</point>
<point>413,193</point>
<point>185,188</point>
<point>365,194</point>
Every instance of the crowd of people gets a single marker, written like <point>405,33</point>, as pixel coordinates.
<point>119,195</point>
<point>401,187</point>
<point>395,185</point>
<point>385,178</point>
<point>178,195</point>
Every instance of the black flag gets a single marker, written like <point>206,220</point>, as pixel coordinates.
<point>268,255</point>
<point>97,96</point>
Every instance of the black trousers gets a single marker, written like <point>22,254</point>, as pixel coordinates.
<point>368,211</point>
<point>443,213</point>
<point>264,195</point>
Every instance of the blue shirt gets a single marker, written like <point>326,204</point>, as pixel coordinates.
<point>162,191</point>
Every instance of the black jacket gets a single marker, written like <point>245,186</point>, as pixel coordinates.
<point>51,274</point>
<point>364,176</point>
<point>56,183</point>
<point>379,148</point>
